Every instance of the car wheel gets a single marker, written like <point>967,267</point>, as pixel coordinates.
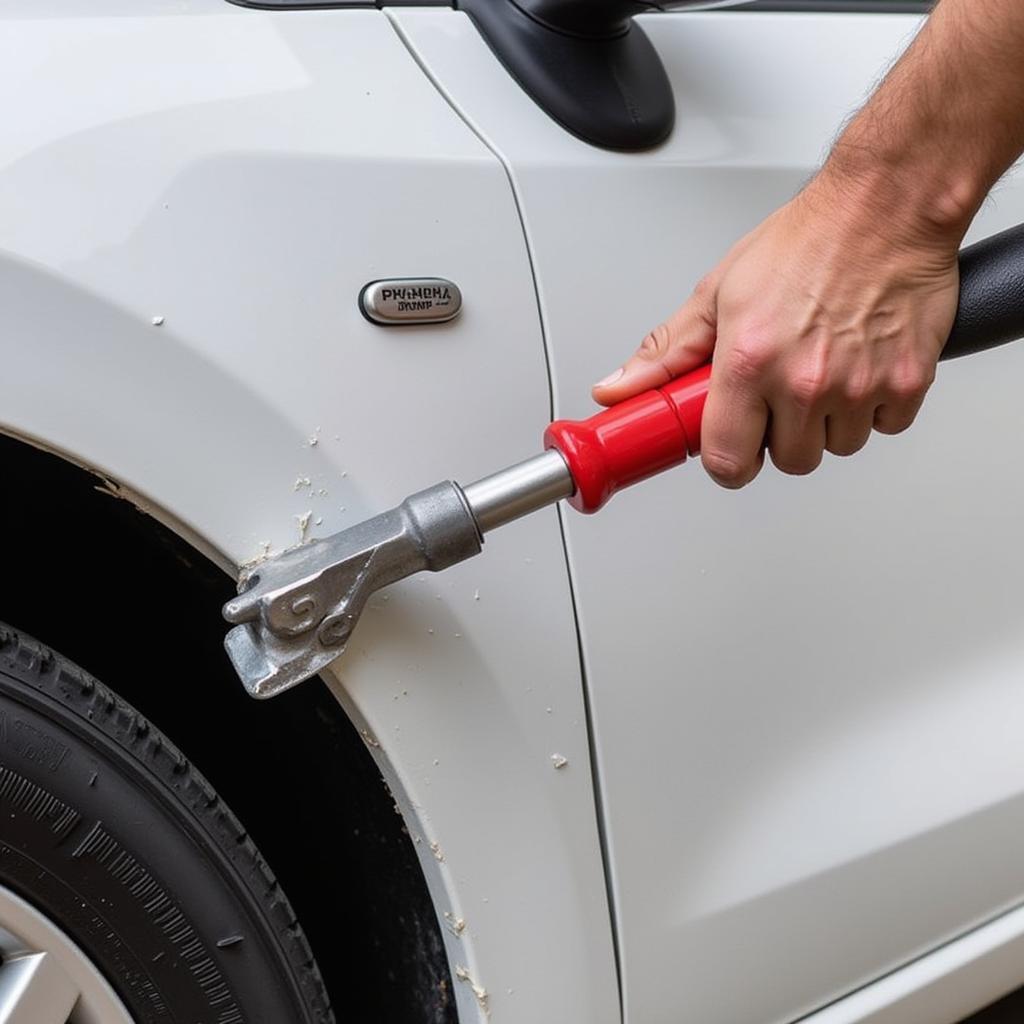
<point>128,891</point>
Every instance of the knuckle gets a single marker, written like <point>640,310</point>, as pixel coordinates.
<point>704,291</point>
<point>796,465</point>
<point>910,382</point>
<point>856,388</point>
<point>656,344</point>
<point>846,447</point>
<point>891,429</point>
<point>891,423</point>
<point>725,468</point>
<point>747,362</point>
<point>807,387</point>
<point>906,388</point>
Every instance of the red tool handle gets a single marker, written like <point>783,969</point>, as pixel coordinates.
<point>658,429</point>
<point>633,440</point>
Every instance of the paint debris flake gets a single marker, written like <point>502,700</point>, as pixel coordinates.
<point>455,924</point>
<point>462,973</point>
<point>558,761</point>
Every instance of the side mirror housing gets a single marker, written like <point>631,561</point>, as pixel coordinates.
<point>586,63</point>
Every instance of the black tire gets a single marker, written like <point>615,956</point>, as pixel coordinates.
<point>108,830</point>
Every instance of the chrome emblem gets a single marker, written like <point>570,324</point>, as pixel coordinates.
<point>410,300</point>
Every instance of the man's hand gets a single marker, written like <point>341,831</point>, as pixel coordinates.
<point>827,320</point>
<point>822,327</point>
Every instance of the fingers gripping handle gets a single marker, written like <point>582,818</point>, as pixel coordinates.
<point>632,440</point>
<point>656,430</point>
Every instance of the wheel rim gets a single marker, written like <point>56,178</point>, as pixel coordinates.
<point>44,977</point>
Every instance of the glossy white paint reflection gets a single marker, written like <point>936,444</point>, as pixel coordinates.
<point>191,198</point>
<point>806,694</point>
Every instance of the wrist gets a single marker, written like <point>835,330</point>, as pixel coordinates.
<point>920,198</point>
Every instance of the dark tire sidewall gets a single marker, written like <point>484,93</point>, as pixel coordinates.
<point>108,831</point>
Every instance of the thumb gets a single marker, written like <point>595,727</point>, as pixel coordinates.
<point>682,343</point>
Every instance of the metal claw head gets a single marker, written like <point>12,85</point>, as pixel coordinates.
<point>295,614</point>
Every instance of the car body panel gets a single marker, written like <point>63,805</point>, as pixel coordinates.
<point>179,270</point>
<point>805,695</point>
<point>944,986</point>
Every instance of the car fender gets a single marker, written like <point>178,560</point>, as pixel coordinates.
<point>179,274</point>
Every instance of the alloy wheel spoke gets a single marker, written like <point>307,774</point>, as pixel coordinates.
<point>35,989</point>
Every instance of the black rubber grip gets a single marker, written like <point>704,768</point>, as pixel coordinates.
<point>991,309</point>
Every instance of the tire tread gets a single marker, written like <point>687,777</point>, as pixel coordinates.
<point>62,681</point>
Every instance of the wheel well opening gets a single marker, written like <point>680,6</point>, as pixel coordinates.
<point>134,604</point>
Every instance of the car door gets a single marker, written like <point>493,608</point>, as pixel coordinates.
<point>804,696</point>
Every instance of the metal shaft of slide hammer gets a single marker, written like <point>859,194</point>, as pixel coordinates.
<point>297,611</point>
<point>519,490</point>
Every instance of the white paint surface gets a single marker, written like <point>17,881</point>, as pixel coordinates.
<point>242,175</point>
<point>943,987</point>
<point>807,694</point>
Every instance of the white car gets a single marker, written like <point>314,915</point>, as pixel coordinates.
<point>703,758</point>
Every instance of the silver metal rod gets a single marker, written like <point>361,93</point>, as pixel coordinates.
<point>519,490</point>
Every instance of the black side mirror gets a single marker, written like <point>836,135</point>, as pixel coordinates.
<point>586,63</point>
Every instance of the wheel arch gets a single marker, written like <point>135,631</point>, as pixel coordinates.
<point>180,315</point>
<point>123,595</point>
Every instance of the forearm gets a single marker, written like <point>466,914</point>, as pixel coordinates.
<point>827,320</point>
<point>947,121</point>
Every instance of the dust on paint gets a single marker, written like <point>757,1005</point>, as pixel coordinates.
<point>558,761</point>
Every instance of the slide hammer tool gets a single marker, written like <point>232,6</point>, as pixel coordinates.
<point>296,611</point>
